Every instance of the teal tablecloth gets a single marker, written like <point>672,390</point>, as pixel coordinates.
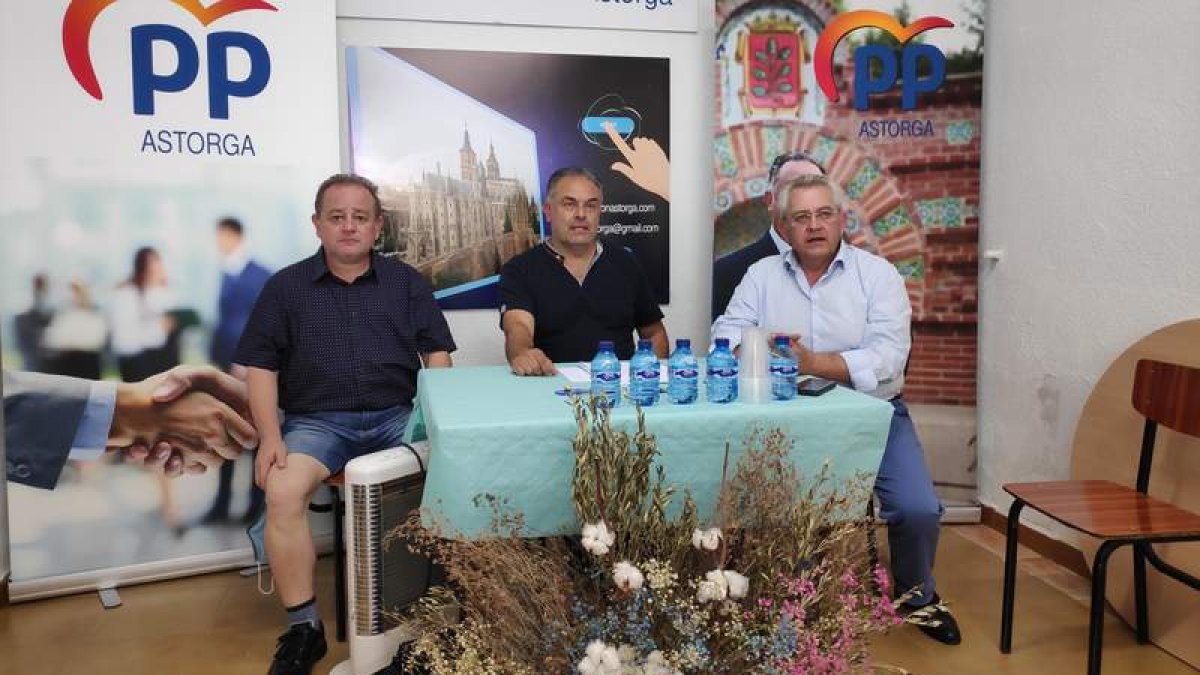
<point>493,433</point>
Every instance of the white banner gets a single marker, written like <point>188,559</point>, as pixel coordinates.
<point>129,126</point>
<point>655,15</point>
<point>248,88</point>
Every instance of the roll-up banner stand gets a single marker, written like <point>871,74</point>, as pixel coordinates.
<point>136,126</point>
<point>887,96</point>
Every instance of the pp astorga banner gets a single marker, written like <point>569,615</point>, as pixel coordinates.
<point>135,134</point>
<point>888,102</point>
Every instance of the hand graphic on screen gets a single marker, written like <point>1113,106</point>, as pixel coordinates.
<point>645,163</point>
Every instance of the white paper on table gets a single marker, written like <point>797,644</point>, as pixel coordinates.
<point>577,374</point>
<point>581,373</point>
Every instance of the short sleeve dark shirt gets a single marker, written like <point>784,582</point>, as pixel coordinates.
<point>341,346</point>
<point>571,318</point>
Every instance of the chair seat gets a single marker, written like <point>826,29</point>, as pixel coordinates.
<point>1107,510</point>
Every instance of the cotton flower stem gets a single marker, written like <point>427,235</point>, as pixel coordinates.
<point>599,487</point>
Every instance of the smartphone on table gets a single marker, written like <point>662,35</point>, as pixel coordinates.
<point>814,386</point>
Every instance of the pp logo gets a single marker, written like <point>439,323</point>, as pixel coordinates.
<point>149,80</point>
<point>911,56</point>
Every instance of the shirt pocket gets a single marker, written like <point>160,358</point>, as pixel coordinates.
<point>318,346</point>
<point>391,339</point>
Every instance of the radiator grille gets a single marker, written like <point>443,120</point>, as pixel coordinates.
<point>384,580</point>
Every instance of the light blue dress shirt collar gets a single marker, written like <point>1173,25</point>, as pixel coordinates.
<point>792,264</point>
<point>780,243</point>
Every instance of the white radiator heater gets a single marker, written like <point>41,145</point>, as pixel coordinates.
<point>381,490</point>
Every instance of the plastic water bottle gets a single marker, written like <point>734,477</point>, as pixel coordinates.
<point>683,373</point>
<point>722,373</point>
<point>643,375</point>
<point>606,376</point>
<point>783,370</point>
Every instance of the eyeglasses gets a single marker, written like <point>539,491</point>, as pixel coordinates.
<point>798,156</point>
<point>822,216</point>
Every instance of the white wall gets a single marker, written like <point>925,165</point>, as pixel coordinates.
<point>1091,186</point>
<point>477,332</point>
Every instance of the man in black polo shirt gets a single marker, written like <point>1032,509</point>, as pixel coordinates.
<point>560,298</point>
<point>335,341</point>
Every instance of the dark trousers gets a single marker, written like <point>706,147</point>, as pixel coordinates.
<point>911,508</point>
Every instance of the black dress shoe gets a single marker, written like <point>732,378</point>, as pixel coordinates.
<point>934,620</point>
<point>298,650</point>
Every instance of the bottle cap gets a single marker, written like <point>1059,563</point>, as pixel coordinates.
<point>722,343</point>
<point>606,345</point>
<point>683,342</point>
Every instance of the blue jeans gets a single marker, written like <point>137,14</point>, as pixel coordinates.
<point>911,508</point>
<point>335,438</point>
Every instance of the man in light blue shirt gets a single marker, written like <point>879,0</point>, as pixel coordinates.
<point>848,316</point>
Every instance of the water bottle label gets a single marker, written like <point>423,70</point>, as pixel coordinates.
<point>647,374</point>
<point>724,372</point>
<point>787,370</point>
<point>688,373</point>
<point>607,377</point>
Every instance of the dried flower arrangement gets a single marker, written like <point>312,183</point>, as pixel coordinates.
<point>780,581</point>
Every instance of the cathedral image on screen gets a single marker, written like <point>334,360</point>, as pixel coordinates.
<point>458,181</point>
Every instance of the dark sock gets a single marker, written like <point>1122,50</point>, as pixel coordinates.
<point>304,612</point>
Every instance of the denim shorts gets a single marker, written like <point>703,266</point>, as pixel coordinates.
<point>334,438</point>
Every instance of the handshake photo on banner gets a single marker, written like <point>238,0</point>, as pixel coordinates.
<point>184,420</point>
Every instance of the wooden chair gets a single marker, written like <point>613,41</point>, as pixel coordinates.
<point>1166,394</point>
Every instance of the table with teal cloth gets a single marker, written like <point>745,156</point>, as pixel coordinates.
<point>494,433</point>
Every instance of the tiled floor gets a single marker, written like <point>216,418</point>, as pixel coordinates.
<point>219,623</point>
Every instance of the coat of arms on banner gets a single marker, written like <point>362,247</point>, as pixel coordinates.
<point>771,50</point>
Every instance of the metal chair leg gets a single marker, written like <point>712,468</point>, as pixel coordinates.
<point>1139,592</point>
<point>339,562</point>
<point>1010,576</point>
<point>1168,569</point>
<point>1096,620</point>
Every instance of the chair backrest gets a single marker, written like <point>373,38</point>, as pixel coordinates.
<point>1168,394</point>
